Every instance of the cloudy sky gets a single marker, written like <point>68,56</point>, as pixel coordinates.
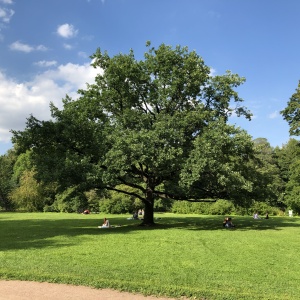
<point>45,47</point>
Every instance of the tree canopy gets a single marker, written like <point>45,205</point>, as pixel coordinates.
<point>290,157</point>
<point>6,182</point>
<point>292,112</point>
<point>157,125</point>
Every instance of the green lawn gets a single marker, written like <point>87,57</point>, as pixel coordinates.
<point>185,255</point>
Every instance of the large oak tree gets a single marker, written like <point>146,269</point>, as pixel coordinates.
<point>157,125</point>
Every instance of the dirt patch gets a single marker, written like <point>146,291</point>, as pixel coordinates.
<point>29,290</point>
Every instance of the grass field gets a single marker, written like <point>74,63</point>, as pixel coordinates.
<point>185,255</point>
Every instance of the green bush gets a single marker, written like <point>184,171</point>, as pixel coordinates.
<point>50,208</point>
<point>69,201</point>
<point>220,207</point>
<point>163,205</point>
<point>241,211</point>
<point>118,204</point>
<point>115,202</point>
<point>262,208</point>
<point>223,207</point>
<point>93,199</point>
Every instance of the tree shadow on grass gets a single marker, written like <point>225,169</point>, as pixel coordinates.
<point>38,233</point>
<point>242,223</point>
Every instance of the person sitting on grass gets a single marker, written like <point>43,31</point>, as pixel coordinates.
<point>105,223</point>
<point>256,216</point>
<point>227,223</point>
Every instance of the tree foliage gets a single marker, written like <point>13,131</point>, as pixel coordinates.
<point>268,183</point>
<point>7,183</point>
<point>292,112</point>
<point>22,164</point>
<point>288,159</point>
<point>28,195</point>
<point>158,126</point>
<point>292,195</point>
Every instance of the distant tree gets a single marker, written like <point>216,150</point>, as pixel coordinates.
<point>70,200</point>
<point>158,126</point>
<point>288,158</point>
<point>268,184</point>
<point>285,157</point>
<point>292,195</point>
<point>6,179</point>
<point>28,195</point>
<point>292,112</point>
<point>23,163</point>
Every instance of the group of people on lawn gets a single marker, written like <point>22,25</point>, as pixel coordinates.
<point>137,215</point>
<point>105,221</point>
<point>227,223</point>
<point>256,216</point>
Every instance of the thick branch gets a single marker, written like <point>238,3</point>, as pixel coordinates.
<point>180,198</point>
<point>125,192</point>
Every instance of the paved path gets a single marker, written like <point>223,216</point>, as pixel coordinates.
<point>29,290</point>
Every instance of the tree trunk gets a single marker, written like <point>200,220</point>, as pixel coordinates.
<point>149,209</point>
<point>5,203</point>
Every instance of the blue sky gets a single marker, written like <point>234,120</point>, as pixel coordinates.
<point>45,47</point>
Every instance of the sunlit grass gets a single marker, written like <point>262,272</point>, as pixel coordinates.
<point>185,255</point>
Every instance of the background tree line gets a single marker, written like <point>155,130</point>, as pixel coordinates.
<point>279,170</point>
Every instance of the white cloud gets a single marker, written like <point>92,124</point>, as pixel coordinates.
<point>212,72</point>
<point>83,54</point>
<point>6,14</point>
<point>67,46</point>
<point>88,38</point>
<point>6,1</point>
<point>41,48</point>
<point>66,31</point>
<point>46,63</point>
<point>18,46</point>
<point>103,1</point>
<point>20,99</point>
<point>273,115</point>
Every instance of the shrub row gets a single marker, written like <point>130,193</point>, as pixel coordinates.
<point>121,204</point>
<point>223,207</point>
